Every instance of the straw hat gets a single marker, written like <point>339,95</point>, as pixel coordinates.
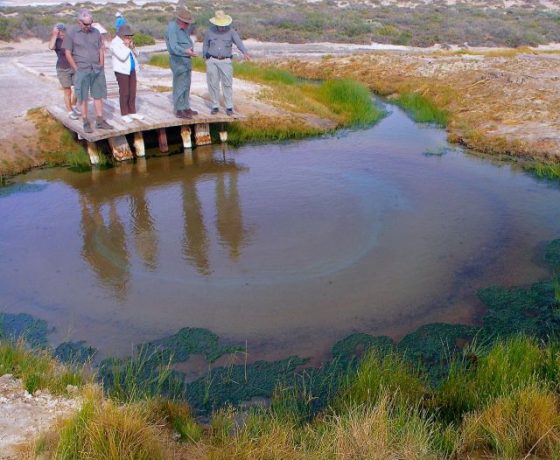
<point>184,15</point>
<point>221,19</point>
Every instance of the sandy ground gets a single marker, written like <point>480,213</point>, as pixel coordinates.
<point>24,416</point>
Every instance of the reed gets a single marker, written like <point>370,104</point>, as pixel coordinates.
<point>422,109</point>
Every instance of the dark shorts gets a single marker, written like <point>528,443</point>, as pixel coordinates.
<point>90,82</point>
<point>65,77</point>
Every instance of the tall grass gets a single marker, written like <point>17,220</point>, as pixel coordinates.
<point>421,109</point>
<point>38,369</point>
<point>544,170</point>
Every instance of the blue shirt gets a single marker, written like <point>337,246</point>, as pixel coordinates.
<point>132,63</point>
<point>119,22</point>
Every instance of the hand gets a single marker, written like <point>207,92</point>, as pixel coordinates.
<point>54,31</point>
<point>246,57</point>
<point>191,52</point>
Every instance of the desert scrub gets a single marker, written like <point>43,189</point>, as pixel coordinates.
<point>421,109</point>
<point>57,144</point>
<point>38,369</point>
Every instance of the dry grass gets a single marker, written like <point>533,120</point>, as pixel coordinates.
<point>524,423</point>
<point>503,104</point>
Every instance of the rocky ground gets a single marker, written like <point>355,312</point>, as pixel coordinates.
<point>24,416</point>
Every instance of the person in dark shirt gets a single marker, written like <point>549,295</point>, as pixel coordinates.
<point>64,72</point>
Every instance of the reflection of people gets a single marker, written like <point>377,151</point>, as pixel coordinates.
<point>64,71</point>
<point>229,221</point>
<point>86,54</point>
<point>180,48</point>
<point>217,50</point>
<point>125,65</point>
<point>119,21</point>
<point>104,247</point>
<point>195,243</point>
<point>143,229</point>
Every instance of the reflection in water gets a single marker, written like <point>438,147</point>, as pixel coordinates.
<point>229,221</point>
<point>195,242</point>
<point>104,246</point>
<point>143,228</point>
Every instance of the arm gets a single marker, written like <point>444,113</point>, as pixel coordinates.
<point>119,50</point>
<point>101,51</point>
<point>70,59</point>
<point>52,40</point>
<point>173,42</point>
<point>239,44</point>
<point>205,44</point>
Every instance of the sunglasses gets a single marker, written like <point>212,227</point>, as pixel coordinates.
<point>86,24</point>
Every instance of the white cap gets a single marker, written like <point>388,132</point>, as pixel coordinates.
<point>118,14</point>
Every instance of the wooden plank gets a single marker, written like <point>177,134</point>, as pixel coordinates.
<point>120,148</point>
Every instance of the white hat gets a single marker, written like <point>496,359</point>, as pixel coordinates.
<point>221,19</point>
<point>118,14</point>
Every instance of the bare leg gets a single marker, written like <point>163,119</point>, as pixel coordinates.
<point>84,109</point>
<point>68,99</point>
<point>73,99</point>
<point>98,104</point>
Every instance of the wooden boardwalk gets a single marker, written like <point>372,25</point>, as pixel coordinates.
<point>156,107</point>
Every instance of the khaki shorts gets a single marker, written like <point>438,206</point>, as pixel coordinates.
<point>90,82</point>
<point>65,77</point>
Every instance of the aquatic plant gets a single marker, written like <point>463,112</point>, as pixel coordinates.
<point>74,352</point>
<point>14,327</point>
<point>544,170</point>
<point>552,255</point>
<point>422,109</point>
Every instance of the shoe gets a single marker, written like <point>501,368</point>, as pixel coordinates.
<point>102,124</point>
<point>136,116</point>
<point>229,112</point>
<point>73,115</point>
<point>214,110</point>
<point>87,127</point>
<point>76,110</point>
<point>180,114</point>
<point>191,112</point>
<point>127,118</point>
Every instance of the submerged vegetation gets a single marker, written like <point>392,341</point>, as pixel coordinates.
<point>443,391</point>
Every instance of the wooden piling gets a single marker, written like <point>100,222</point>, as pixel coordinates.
<point>202,134</point>
<point>186,136</point>
<point>139,147</point>
<point>162,140</point>
<point>93,153</point>
<point>120,148</point>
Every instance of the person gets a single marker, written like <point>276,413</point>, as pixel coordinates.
<point>125,64</point>
<point>180,48</point>
<point>217,50</point>
<point>64,71</point>
<point>119,21</point>
<point>85,52</point>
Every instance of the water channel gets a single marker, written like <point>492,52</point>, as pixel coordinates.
<point>287,247</point>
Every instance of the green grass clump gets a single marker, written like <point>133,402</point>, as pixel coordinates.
<point>421,109</point>
<point>377,373</point>
<point>159,60</point>
<point>350,99</point>
<point>263,74</point>
<point>37,368</point>
<point>105,430</point>
<point>266,129</point>
<point>544,170</point>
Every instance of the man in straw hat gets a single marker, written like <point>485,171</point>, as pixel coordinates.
<point>218,41</point>
<point>85,52</point>
<point>180,48</point>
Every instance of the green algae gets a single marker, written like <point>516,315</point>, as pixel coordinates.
<point>552,255</point>
<point>188,341</point>
<point>23,326</point>
<point>357,344</point>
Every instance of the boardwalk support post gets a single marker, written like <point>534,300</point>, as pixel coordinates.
<point>93,153</point>
<point>139,147</point>
<point>223,136</point>
<point>186,135</point>
<point>202,134</point>
<point>162,140</point>
<point>120,148</point>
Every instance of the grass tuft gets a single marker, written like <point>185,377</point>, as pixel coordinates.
<point>421,109</point>
<point>544,170</point>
